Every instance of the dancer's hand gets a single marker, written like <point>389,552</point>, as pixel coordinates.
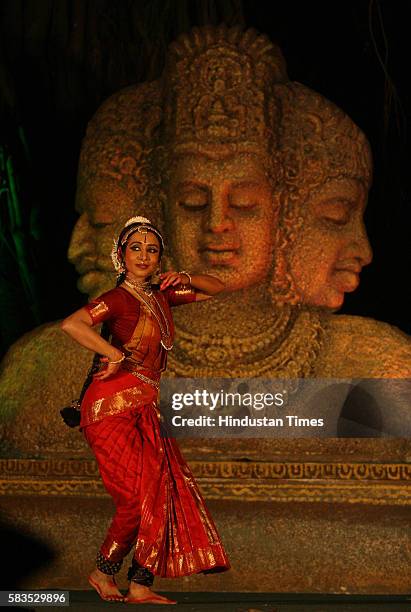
<point>172,279</point>
<point>111,369</point>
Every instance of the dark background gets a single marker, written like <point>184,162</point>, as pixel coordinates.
<point>59,59</point>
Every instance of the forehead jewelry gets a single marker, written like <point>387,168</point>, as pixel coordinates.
<point>143,230</point>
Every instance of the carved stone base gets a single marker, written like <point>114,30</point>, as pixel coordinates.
<point>340,528</point>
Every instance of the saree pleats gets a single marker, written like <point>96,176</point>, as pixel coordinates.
<point>159,508</point>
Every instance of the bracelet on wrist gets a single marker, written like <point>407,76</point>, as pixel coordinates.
<point>118,360</point>
<point>188,276</point>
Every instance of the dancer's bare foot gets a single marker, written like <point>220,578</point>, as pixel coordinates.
<point>105,586</point>
<point>138,593</point>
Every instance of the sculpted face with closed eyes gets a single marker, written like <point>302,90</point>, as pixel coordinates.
<point>332,248</point>
<point>104,207</point>
<point>225,215</point>
<point>326,174</point>
<point>221,214</point>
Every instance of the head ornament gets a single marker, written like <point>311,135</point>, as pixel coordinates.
<point>133,220</point>
<point>219,89</point>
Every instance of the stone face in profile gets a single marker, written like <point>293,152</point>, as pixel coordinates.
<point>115,179</point>
<point>326,260</point>
<point>327,174</point>
<point>44,370</point>
<point>254,179</point>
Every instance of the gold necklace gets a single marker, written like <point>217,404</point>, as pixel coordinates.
<point>144,285</point>
<point>143,296</point>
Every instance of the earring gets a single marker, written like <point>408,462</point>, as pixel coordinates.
<point>155,278</point>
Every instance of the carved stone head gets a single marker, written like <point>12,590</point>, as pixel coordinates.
<point>326,174</point>
<point>116,180</point>
<point>257,180</point>
<point>220,128</point>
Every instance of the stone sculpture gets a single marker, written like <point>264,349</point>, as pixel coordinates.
<point>254,178</point>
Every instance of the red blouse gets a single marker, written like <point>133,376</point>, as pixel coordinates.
<point>135,330</point>
<point>122,310</point>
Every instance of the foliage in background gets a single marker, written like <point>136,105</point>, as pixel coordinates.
<point>59,59</point>
<point>18,228</point>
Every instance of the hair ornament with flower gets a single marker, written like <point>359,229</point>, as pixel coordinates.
<point>116,257</point>
<point>137,220</point>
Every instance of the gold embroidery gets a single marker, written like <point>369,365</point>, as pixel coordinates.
<point>100,309</point>
<point>146,379</point>
<point>180,563</point>
<point>207,523</point>
<point>144,346</point>
<point>118,402</point>
<point>115,547</point>
<point>162,317</point>
<point>184,290</point>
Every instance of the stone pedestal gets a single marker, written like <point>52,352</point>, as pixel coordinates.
<point>316,525</point>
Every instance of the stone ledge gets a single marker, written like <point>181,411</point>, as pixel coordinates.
<point>311,470</point>
<point>354,483</point>
<point>360,493</point>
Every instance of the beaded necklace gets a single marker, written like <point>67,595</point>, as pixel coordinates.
<point>143,286</point>
<point>151,302</point>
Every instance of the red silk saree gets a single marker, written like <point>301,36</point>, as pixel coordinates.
<point>160,512</point>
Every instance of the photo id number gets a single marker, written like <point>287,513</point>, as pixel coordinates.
<point>40,598</point>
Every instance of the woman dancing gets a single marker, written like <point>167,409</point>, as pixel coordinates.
<point>159,508</point>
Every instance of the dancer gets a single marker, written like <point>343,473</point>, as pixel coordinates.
<point>160,511</point>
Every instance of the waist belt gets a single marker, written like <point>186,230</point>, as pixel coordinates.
<point>150,377</point>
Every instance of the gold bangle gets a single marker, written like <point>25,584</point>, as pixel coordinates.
<point>188,276</point>
<point>119,360</point>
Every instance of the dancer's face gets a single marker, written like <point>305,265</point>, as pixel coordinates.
<point>142,255</point>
